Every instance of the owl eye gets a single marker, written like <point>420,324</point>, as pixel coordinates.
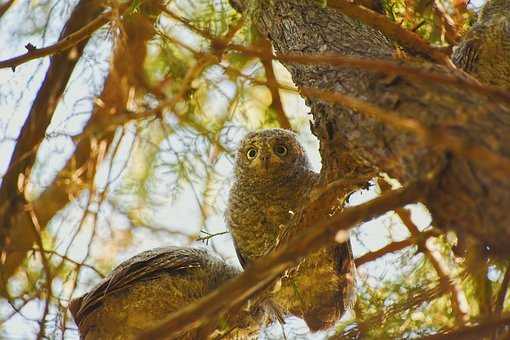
<point>280,150</point>
<point>251,153</point>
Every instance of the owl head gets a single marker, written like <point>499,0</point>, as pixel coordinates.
<point>270,152</point>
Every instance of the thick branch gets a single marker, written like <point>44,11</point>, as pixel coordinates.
<point>408,39</point>
<point>262,273</point>
<point>303,27</point>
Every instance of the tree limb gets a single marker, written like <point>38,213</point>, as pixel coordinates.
<point>60,46</point>
<point>303,27</point>
<point>408,39</point>
<point>262,273</point>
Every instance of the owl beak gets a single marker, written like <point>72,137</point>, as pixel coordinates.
<point>266,161</point>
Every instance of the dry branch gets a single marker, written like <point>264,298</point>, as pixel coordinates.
<point>458,298</point>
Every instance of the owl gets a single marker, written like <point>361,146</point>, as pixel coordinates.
<point>273,180</point>
<point>143,290</point>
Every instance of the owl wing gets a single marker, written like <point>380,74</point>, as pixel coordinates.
<point>144,266</point>
<point>242,259</point>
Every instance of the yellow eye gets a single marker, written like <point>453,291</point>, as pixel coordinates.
<point>280,150</point>
<point>251,153</point>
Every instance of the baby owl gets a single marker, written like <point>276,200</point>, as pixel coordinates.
<point>148,287</point>
<point>273,180</point>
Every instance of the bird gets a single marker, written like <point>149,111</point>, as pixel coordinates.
<point>143,290</point>
<point>273,179</point>
<point>484,51</point>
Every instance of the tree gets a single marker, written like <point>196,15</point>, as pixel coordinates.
<point>385,98</point>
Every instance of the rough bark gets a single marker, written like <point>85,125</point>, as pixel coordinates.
<point>471,193</point>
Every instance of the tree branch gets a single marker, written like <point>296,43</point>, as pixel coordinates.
<point>500,300</point>
<point>395,246</point>
<point>302,27</point>
<point>15,224</point>
<point>272,84</point>
<point>60,46</point>
<point>458,298</point>
<point>408,39</point>
<point>262,273</point>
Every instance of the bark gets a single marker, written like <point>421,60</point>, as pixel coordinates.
<point>471,192</point>
<point>16,232</point>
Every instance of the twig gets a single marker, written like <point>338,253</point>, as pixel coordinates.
<point>395,246</point>
<point>62,45</point>
<point>458,298</point>
<point>272,84</point>
<point>70,260</point>
<point>459,80</point>
<point>36,228</point>
<point>263,272</point>
<point>451,33</point>
<point>209,235</point>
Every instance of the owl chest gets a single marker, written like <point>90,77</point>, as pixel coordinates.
<point>270,213</point>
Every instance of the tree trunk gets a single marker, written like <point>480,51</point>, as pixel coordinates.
<point>467,135</point>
